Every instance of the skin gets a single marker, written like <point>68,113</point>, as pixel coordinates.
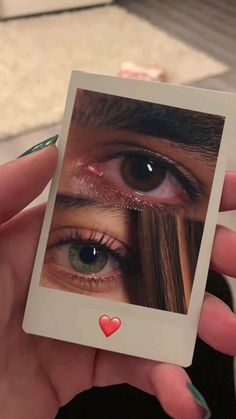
<point>38,375</point>
<point>116,224</point>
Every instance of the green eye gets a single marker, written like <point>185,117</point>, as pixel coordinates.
<point>86,258</point>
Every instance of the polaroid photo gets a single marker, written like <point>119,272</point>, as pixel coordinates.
<point>126,241</point>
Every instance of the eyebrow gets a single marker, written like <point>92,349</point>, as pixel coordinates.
<point>189,129</point>
<point>69,201</point>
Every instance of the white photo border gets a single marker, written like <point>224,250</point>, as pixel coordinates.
<point>144,332</point>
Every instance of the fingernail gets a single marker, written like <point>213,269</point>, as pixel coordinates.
<point>40,146</point>
<point>200,400</point>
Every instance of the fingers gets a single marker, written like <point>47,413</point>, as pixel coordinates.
<point>22,180</point>
<point>217,325</point>
<point>20,236</point>
<point>223,257</point>
<point>169,383</point>
<point>228,199</point>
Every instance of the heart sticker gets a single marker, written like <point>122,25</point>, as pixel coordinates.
<point>108,325</point>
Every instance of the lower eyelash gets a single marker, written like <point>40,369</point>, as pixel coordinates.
<point>187,181</point>
<point>111,194</point>
<point>184,176</point>
<point>87,278</point>
<point>89,283</point>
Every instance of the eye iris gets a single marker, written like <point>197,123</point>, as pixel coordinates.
<point>87,258</point>
<point>142,173</point>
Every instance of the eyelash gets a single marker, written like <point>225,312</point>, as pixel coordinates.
<point>92,281</point>
<point>183,176</point>
<point>188,182</point>
<point>105,242</point>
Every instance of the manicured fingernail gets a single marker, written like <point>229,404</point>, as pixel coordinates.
<point>40,146</point>
<point>200,400</point>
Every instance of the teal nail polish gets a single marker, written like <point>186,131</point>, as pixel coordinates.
<point>200,400</point>
<point>40,146</point>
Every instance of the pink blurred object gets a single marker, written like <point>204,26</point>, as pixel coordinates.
<point>133,71</point>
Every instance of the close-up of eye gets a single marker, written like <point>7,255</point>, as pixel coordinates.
<point>89,260</point>
<point>156,179</point>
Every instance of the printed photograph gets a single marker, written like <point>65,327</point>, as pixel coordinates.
<point>132,201</point>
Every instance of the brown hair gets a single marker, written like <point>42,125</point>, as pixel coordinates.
<point>168,248</point>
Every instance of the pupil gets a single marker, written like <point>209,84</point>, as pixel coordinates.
<point>88,254</point>
<point>142,169</point>
<point>141,173</point>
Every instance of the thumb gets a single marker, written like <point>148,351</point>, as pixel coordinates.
<point>22,180</point>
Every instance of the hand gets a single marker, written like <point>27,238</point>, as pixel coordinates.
<point>38,375</point>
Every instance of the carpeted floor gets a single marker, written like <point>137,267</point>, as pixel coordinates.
<point>38,54</point>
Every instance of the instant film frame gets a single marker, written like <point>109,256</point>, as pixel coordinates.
<point>146,332</point>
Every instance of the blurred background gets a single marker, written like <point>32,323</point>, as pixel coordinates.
<point>193,42</point>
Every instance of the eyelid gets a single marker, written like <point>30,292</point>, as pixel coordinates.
<point>67,234</point>
<point>120,252</point>
<point>184,176</point>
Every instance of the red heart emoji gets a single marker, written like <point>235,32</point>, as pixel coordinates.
<point>108,325</point>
